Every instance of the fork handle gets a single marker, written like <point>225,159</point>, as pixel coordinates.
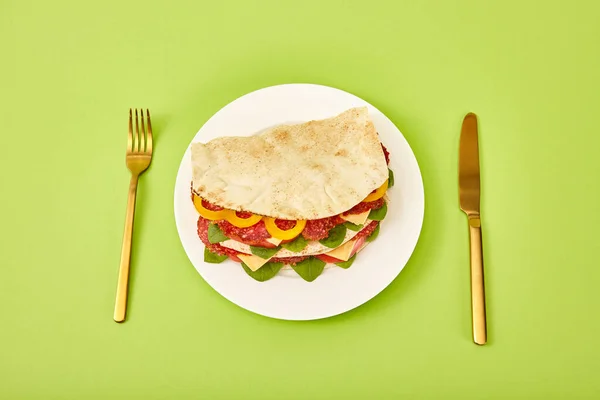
<point>121,300</point>
<point>477,286</point>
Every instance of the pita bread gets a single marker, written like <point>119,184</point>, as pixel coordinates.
<point>306,171</point>
<point>329,265</point>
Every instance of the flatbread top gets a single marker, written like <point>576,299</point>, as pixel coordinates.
<point>305,171</point>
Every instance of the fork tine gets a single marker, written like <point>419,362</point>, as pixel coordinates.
<point>143,140</point>
<point>148,134</point>
<point>136,147</point>
<point>130,134</point>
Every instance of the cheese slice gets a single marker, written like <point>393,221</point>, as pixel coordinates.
<point>253,262</point>
<point>343,252</point>
<point>274,241</point>
<point>357,219</point>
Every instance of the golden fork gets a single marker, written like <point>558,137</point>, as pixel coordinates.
<point>139,155</point>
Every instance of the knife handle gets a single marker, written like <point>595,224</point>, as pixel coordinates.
<point>477,286</point>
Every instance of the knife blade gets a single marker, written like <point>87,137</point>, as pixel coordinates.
<point>468,170</point>
<point>469,199</point>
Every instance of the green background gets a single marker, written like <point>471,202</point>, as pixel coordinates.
<point>69,71</point>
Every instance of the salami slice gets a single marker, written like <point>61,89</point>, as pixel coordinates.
<point>386,153</point>
<point>317,229</point>
<point>254,235</point>
<point>365,206</point>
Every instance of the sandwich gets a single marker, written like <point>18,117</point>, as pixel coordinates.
<point>300,196</point>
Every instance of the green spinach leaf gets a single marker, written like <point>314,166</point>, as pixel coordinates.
<point>265,272</point>
<point>346,264</point>
<point>378,214</point>
<point>373,234</point>
<point>390,178</point>
<point>335,238</point>
<point>310,268</point>
<point>353,227</point>
<point>264,252</point>
<point>296,245</point>
<point>215,234</point>
<point>213,258</point>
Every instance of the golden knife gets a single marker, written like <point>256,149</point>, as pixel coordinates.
<point>469,193</point>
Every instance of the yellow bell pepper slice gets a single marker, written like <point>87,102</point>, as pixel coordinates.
<point>377,194</point>
<point>234,220</point>
<point>206,213</point>
<point>289,234</point>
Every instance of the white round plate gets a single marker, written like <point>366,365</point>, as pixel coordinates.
<point>337,290</point>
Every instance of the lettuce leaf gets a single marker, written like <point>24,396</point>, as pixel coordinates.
<point>215,234</point>
<point>378,214</point>
<point>346,264</point>
<point>213,258</point>
<point>335,238</point>
<point>353,227</point>
<point>373,234</point>
<point>310,268</point>
<point>265,272</point>
<point>295,245</point>
<point>264,252</point>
